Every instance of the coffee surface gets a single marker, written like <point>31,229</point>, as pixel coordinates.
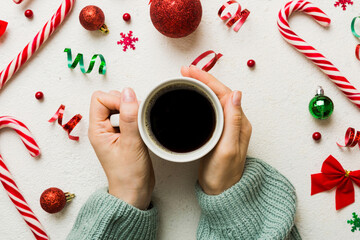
<point>182,120</point>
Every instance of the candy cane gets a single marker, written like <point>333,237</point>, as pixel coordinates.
<point>311,53</point>
<point>39,39</point>
<point>8,181</point>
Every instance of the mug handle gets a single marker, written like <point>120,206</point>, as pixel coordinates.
<point>114,120</point>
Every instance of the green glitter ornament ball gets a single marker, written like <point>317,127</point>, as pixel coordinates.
<point>321,106</point>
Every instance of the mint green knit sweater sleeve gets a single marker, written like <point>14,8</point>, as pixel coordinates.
<point>106,217</point>
<point>260,206</point>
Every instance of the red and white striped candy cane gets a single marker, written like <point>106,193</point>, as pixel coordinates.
<point>38,40</point>
<point>8,181</point>
<point>311,53</point>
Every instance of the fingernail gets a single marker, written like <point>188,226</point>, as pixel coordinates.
<point>128,95</point>
<point>193,66</point>
<point>236,98</point>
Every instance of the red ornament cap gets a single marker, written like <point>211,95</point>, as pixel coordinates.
<point>176,18</point>
<point>93,18</point>
<point>53,200</point>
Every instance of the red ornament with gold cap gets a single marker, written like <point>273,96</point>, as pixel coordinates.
<point>93,18</point>
<point>176,18</point>
<point>53,200</point>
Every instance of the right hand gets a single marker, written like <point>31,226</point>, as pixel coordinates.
<point>224,166</point>
<point>123,155</point>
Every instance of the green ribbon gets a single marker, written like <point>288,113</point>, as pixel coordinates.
<point>353,27</point>
<point>79,59</point>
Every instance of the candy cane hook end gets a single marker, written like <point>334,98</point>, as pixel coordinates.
<point>36,154</point>
<point>23,132</point>
<point>326,23</point>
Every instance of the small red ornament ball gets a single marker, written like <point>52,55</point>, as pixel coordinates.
<point>316,136</point>
<point>126,17</point>
<point>29,14</point>
<point>53,200</point>
<point>39,95</point>
<point>92,18</point>
<point>176,18</point>
<point>251,63</point>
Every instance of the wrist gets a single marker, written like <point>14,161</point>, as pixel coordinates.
<point>137,198</point>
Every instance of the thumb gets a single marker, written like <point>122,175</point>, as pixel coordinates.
<point>129,107</point>
<point>233,118</point>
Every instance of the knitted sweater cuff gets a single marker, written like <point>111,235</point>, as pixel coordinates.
<point>104,216</point>
<point>260,206</point>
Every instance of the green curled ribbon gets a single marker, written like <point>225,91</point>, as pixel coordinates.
<point>79,59</point>
<point>353,27</point>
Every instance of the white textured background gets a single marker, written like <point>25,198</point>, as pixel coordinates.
<point>276,97</point>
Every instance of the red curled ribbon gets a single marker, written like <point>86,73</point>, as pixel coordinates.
<point>357,51</point>
<point>351,139</point>
<point>239,15</point>
<point>333,175</point>
<point>3,26</point>
<point>211,63</point>
<point>70,125</point>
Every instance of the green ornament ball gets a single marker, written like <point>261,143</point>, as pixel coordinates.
<point>321,107</point>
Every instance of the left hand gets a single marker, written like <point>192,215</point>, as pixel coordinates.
<point>123,155</point>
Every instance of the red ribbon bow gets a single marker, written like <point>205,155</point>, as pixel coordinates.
<point>3,26</point>
<point>333,175</point>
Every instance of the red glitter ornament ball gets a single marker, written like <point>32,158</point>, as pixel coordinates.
<point>251,63</point>
<point>126,17</point>
<point>92,18</point>
<point>53,200</point>
<point>39,95</point>
<point>29,14</point>
<point>176,18</point>
<point>316,136</point>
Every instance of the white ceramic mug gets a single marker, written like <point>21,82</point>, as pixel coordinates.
<point>144,119</point>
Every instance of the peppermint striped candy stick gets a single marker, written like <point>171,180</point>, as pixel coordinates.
<point>311,53</point>
<point>38,40</point>
<point>8,181</point>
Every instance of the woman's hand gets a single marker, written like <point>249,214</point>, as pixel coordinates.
<point>224,166</point>
<point>123,155</point>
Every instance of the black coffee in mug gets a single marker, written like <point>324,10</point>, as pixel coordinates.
<point>182,120</point>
